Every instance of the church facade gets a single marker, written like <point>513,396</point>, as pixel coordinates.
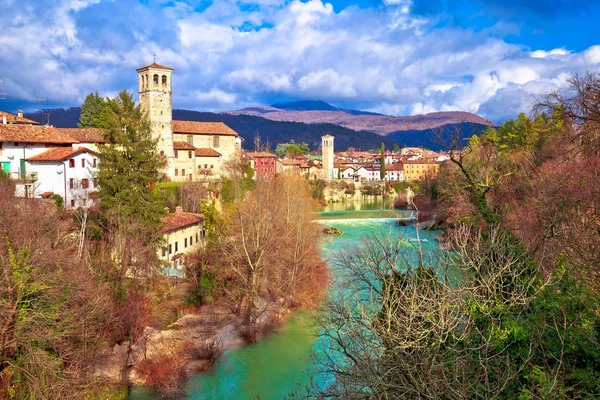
<point>194,150</point>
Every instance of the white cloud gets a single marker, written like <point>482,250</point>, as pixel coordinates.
<point>238,53</point>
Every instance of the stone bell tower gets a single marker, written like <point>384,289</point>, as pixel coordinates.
<point>327,151</point>
<point>154,83</point>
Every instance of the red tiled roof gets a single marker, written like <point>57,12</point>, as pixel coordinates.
<point>418,162</point>
<point>203,128</point>
<point>84,135</point>
<point>155,66</point>
<point>180,219</point>
<point>15,119</point>
<point>183,146</point>
<point>395,167</point>
<point>33,134</point>
<point>290,162</point>
<point>263,154</point>
<point>206,152</point>
<point>59,154</point>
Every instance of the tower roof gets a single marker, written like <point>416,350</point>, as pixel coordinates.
<point>327,137</point>
<point>154,65</point>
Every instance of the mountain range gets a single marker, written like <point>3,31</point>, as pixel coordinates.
<point>319,112</point>
<point>307,121</point>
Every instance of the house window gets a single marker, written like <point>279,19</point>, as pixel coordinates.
<point>190,139</point>
<point>196,237</point>
<point>85,183</point>
<point>183,172</point>
<point>215,141</point>
<point>82,163</point>
<point>72,203</point>
<point>211,166</point>
<point>71,163</point>
<point>176,154</point>
<point>189,154</point>
<point>71,183</point>
<point>95,183</point>
<point>170,249</point>
<point>162,153</point>
<point>94,163</point>
<point>205,166</point>
<point>164,252</point>
<point>176,246</point>
<point>185,243</point>
<point>176,171</point>
<point>190,177</point>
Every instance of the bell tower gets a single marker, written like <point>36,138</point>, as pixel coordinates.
<point>154,84</point>
<point>327,151</point>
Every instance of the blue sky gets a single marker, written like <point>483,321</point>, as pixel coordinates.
<point>398,57</point>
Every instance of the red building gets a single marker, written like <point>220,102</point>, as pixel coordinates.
<point>264,165</point>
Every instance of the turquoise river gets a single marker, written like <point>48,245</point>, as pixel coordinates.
<point>280,364</point>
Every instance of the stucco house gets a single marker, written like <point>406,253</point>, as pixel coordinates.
<point>65,171</point>
<point>183,235</point>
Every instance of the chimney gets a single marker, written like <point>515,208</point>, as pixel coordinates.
<point>20,113</point>
<point>4,120</point>
<point>178,210</point>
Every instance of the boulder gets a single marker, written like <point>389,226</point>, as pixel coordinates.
<point>332,231</point>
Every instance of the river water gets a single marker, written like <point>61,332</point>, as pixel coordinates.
<point>280,364</point>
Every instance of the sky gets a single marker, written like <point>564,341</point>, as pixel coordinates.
<point>397,57</point>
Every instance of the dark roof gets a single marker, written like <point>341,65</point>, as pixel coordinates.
<point>203,128</point>
<point>154,65</point>
<point>206,152</point>
<point>59,154</point>
<point>33,134</point>
<point>84,135</point>
<point>182,146</point>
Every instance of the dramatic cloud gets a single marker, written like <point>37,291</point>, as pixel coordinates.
<point>391,56</point>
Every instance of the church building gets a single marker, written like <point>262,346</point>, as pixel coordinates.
<point>194,150</point>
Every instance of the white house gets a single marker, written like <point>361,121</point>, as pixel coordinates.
<point>347,172</point>
<point>183,235</point>
<point>65,171</point>
<point>394,172</point>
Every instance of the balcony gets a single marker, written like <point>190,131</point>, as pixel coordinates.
<point>24,177</point>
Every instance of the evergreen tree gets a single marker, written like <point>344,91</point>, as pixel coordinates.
<point>382,163</point>
<point>396,148</point>
<point>91,109</point>
<point>129,166</point>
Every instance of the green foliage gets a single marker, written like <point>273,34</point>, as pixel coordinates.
<point>91,109</point>
<point>170,192</point>
<point>58,200</point>
<point>201,293</point>
<point>230,187</point>
<point>292,149</point>
<point>317,188</point>
<point>130,165</point>
<point>522,133</point>
<point>382,163</point>
<point>212,218</point>
<point>400,187</point>
<point>396,148</point>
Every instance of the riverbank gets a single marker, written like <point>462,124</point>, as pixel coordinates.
<point>164,359</point>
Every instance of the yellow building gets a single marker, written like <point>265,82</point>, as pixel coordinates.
<point>420,169</point>
<point>183,235</point>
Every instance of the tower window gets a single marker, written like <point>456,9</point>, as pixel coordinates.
<point>164,80</point>
<point>155,79</point>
